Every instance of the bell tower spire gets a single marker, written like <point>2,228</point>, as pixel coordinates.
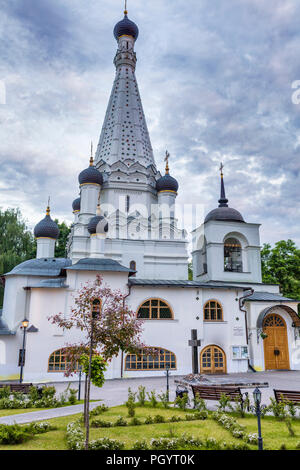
<point>124,137</point>
<point>223,200</point>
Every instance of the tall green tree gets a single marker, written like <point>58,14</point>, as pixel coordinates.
<point>60,247</point>
<point>16,242</point>
<point>281,265</point>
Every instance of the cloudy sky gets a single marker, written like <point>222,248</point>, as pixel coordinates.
<point>216,84</point>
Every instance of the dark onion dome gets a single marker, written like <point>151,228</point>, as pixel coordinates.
<point>98,224</point>
<point>126,27</point>
<point>223,212</point>
<point>167,182</point>
<point>76,205</point>
<point>46,228</point>
<point>90,175</point>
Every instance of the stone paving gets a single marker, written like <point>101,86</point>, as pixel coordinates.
<point>114,392</point>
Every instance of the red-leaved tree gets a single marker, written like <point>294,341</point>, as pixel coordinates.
<point>108,327</point>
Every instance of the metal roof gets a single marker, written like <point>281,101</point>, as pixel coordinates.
<point>99,264</point>
<point>179,283</point>
<point>41,267</point>
<point>268,297</point>
<point>57,283</point>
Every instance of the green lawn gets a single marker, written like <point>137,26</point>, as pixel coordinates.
<point>274,433</point>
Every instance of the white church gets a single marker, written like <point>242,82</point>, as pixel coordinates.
<point>125,228</point>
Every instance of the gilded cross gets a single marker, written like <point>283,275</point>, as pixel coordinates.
<point>194,343</point>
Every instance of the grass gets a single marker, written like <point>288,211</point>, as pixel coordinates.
<point>275,433</point>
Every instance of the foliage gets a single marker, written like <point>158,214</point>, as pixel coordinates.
<point>116,327</point>
<point>99,410</point>
<point>182,402</point>
<point>164,398</point>
<point>131,403</point>
<point>37,398</point>
<point>105,443</point>
<point>141,395</point>
<point>16,433</point>
<point>159,419</point>
<point>278,409</point>
<point>135,422</point>
<point>101,423</point>
<point>72,396</point>
<point>152,398</point>
<point>60,246</point>
<point>199,403</point>
<point>281,265</point>
<point>98,367</point>
<point>120,421</point>
<point>140,445</point>
<point>16,242</point>
<point>224,402</point>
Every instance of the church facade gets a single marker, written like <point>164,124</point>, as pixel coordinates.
<point>125,229</point>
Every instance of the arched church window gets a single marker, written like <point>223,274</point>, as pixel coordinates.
<point>156,359</point>
<point>233,255</point>
<point>57,361</point>
<point>213,311</point>
<point>155,309</point>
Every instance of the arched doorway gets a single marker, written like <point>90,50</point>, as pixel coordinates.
<point>212,360</point>
<point>276,343</point>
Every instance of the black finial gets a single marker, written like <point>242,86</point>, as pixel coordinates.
<point>222,201</point>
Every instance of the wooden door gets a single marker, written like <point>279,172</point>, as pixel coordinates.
<point>213,360</point>
<point>276,344</point>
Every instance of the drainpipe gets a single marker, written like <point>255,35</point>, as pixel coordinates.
<point>122,353</point>
<point>241,303</point>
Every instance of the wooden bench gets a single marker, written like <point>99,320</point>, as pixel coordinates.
<point>209,392</point>
<point>24,388</point>
<point>287,395</point>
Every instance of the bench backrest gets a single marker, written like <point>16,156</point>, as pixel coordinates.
<point>24,388</point>
<point>214,393</point>
<point>288,395</point>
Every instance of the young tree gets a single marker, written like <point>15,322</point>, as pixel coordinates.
<point>60,247</point>
<point>281,265</point>
<point>108,327</point>
<point>16,242</point>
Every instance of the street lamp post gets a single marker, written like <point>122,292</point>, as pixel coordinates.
<point>257,402</point>
<point>25,324</point>
<point>167,373</point>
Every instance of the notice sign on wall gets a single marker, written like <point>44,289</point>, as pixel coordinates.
<point>238,331</point>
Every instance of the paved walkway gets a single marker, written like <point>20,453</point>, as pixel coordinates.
<point>115,392</point>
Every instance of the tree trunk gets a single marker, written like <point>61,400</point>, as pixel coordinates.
<point>87,399</point>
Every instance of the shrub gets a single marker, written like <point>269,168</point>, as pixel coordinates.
<point>5,392</point>
<point>282,447</point>
<point>163,443</point>
<point>159,419</point>
<point>140,445</point>
<point>201,414</point>
<point>175,419</point>
<point>182,402</point>
<point>135,422</point>
<point>72,396</point>
<point>16,433</point>
<point>152,398</point>
<point>105,443</point>
<point>99,423</point>
<point>199,404</point>
<point>164,398</point>
<point>149,420</point>
<point>98,410</point>
<point>141,396</point>
<point>289,426</point>
<point>131,403</point>
<point>120,421</point>
<point>278,409</point>
<point>74,436</point>
<point>224,402</point>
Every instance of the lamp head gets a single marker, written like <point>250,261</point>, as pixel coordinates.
<point>257,396</point>
<point>25,323</point>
